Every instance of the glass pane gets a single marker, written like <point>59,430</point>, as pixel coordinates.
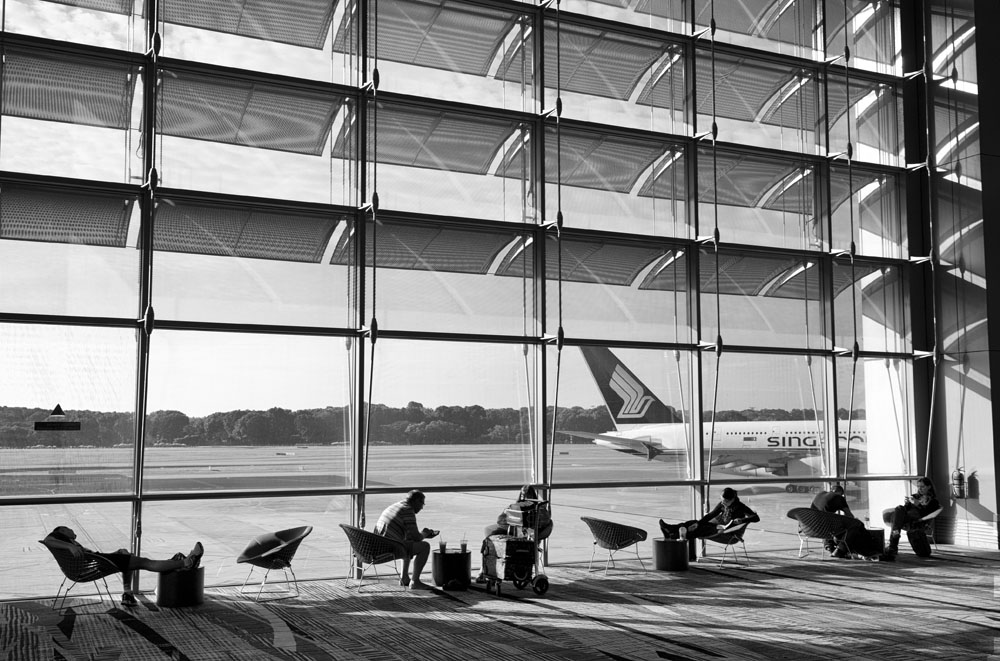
<point>615,290</point>
<point>286,38</point>
<point>758,103</point>
<point>237,411</point>
<point>451,413</point>
<point>245,264</point>
<point>668,15</point>
<point>868,210</point>
<point>953,44</point>
<point>870,305</point>
<point>86,240</point>
<point>450,278</point>
<point>613,78</point>
<point>81,112</point>
<point>455,51</point>
<point>618,411</point>
<point>791,27</point>
<point>874,400</point>
<point>33,570</point>
<point>239,136</point>
<point>959,226</point>
<point>870,29</point>
<point>445,162</point>
<point>227,527</point>
<point>618,183</point>
<point>765,300</point>
<point>90,374</point>
<point>770,417</point>
<point>760,201</point>
<point>866,120</point>
<point>104,23</point>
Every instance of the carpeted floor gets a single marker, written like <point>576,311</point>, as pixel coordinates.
<point>780,607</point>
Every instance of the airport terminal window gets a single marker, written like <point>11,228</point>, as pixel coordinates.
<point>867,209</point>
<point>450,162</point>
<point>870,306</point>
<point>106,24</point>
<point>765,402</point>
<point>874,396</point>
<point>622,414</point>
<point>252,264</point>
<point>616,182</point>
<point>616,78</point>
<point>90,373</point>
<point>276,410</point>
<point>434,403</point>
<point>789,27</point>
<point>760,200</point>
<point>764,299</point>
<point>601,278</point>
<point>870,29</point>
<point>868,116</point>
<point>449,278</point>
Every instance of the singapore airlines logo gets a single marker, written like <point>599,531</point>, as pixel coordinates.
<point>636,401</point>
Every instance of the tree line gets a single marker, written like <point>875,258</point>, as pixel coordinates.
<point>414,424</point>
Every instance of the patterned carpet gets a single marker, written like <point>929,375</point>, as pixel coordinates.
<point>780,607</point>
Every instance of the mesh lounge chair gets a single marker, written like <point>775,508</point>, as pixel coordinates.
<point>613,537</point>
<point>816,524</point>
<point>370,550</point>
<point>729,539</point>
<point>87,568</point>
<point>274,550</point>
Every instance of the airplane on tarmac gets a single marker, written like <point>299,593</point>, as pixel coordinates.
<point>646,427</point>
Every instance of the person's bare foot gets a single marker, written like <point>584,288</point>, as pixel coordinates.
<point>419,585</point>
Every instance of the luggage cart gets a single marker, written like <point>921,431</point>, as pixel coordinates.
<point>514,557</point>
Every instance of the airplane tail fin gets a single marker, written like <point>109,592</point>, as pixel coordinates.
<point>628,399</point>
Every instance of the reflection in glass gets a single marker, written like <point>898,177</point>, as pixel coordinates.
<point>439,277</point>
<point>866,120</point>
<point>787,26</point>
<point>759,200</point>
<point>868,211</point>
<point>623,415</point>
<point>90,373</point>
<point>451,413</point>
<point>875,395</point>
<point>105,23</point>
<point>870,30</point>
<point>618,290</point>
<point>767,300</point>
<point>766,416</point>
<point>870,306</point>
<point>231,411</point>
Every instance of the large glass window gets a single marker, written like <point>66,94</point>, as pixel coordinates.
<point>89,374</point>
<point>870,306</point>
<point>867,210</point>
<point>238,411</point>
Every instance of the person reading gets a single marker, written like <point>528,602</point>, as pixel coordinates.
<point>730,512</point>
<point>64,537</point>
<point>399,522</point>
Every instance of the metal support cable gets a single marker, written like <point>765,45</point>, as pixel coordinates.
<point>559,225</point>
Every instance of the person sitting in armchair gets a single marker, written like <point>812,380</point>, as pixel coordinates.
<point>65,538</point>
<point>730,511</point>
<point>905,516</point>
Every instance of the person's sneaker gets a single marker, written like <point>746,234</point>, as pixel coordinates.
<point>665,529</point>
<point>194,557</point>
<point>128,600</point>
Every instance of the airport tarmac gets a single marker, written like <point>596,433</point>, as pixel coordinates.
<point>226,525</point>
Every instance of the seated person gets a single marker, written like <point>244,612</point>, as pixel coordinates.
<point>64,537</point>
<point>835,502</point>
<point>903,517</point>
<point>527,495</point>
<point>730,511</point>
<point>399,522</point>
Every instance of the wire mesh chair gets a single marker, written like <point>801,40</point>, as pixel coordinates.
<point>370,550</point>
<point>613,537</point>
<point>816,524</point>
<point>86,568</point>
<point>274,550</point>
<point>729,539</point>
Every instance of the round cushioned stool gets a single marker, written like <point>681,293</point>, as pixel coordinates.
<point>177,589</point>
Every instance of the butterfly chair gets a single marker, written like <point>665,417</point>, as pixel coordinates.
<point>729,538</point>
<point>370,549</point>
<point>274,550</point>
<point>613,537</point>
<point>86,568</point>
<point>816,524</point>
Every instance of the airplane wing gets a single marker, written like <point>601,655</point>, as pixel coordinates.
<point>632,446</point>
<point>767,463</point>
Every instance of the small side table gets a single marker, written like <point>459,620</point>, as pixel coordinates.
<point>878,537</point>
<point>670,554</point>
<point>451,565</point>
<point>178,589</point>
